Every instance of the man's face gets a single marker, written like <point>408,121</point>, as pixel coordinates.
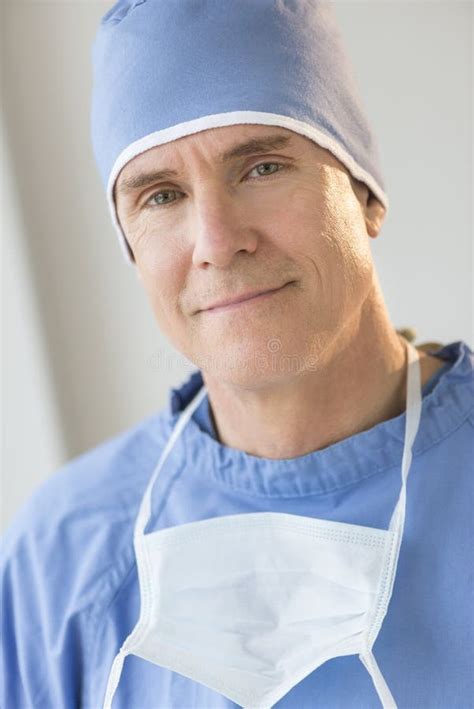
<point>288,219</point>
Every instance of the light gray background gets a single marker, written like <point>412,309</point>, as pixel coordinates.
<point>82,357</point>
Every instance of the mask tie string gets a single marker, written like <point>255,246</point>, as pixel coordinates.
<point>397,521</point>
<point>141,556</point>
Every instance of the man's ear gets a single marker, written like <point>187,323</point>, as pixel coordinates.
<point>374,214</point>
<point>372,209</point>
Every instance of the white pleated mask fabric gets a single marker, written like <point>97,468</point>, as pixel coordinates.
<point>250,604</point>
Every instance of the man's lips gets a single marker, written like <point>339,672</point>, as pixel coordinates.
<point>228,303</point>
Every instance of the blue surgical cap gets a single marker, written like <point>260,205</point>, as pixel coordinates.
<point>164,69</point>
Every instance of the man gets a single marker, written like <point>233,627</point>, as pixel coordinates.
<point>243,546</point>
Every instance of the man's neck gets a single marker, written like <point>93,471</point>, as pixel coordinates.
<point>360,382</point>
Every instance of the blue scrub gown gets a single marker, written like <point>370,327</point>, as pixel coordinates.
<point>70,590</point>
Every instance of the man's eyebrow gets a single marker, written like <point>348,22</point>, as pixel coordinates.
<point>254,146</point>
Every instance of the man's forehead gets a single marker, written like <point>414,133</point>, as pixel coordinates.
<point>224,145</point>
<point>218,139</point>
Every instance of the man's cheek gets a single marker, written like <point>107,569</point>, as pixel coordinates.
<point>135,231</point>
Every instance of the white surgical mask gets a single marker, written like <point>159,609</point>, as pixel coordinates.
<point>250,604</point>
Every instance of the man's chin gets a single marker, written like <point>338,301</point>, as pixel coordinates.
<point>247,363</point>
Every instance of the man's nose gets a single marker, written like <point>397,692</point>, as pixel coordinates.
<point>220,231</point>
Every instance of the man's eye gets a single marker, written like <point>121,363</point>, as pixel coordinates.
<point>159,199</point>
<point>265,165</point>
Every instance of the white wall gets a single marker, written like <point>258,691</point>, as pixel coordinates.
<point>81,348</point>
<point>31,427</point>
<point>414,63</point>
